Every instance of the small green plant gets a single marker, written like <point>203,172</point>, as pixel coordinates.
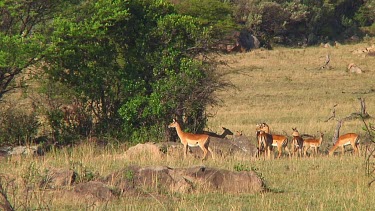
<point>83,174</point>
<point>241,167</point>
<point>129,175</point>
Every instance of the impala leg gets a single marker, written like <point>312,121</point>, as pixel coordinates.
<point>342,150</point>
<point>205,151</point>
<point>259,148</point>
<point>186,147</point>
<point>287,150</point>
<point>358,150</point>
<point>293,150</point>
<point>355,148</point>
<point>305,151</point>
<point>279,150</point>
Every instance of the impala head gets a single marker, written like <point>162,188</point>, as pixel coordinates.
<point>238,133</point>
<point>227,131</point>
<point>320,133</point>
<point>173,124</point>
<point>264,125</point>
<point>295,132</point>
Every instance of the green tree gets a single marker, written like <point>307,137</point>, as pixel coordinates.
<point>22,37</point>
<point>217,14</point>
<point>300,20</point>
<point>365,15</point>
<point>135,65</point>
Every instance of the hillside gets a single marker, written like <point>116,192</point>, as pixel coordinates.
<point>287,88</point>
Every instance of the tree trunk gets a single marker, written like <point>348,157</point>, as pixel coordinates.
<point>337,131</point>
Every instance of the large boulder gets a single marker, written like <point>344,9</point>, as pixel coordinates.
<point>212,179</point>
<point>183,180</point>
<point>148,149</point>
<point>222,147</point>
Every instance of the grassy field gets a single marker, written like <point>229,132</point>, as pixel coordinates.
<point>282,87</point>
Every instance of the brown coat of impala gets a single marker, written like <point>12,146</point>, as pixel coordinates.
<point>344,140</point>
<point>278,141</point>
<point>192,140</point>
<point>297,142</point>
<point>264,141</point>
<point>312,143</point>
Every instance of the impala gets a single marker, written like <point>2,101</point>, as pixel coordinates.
<point>297,142</point>
<point>264,141</point>
<point>312,143</point>
<point>223,135</point>
<point>278,141</point>
<point>192,140</point>
<point>344,140</point>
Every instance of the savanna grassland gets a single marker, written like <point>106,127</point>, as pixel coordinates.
<point>284,88</point>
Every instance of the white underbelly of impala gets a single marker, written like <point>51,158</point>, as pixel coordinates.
<point>193,144</point>
<point>347,143</point>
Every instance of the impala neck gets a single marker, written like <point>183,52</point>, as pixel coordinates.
<point>179,130</point>
<point>320,139</point>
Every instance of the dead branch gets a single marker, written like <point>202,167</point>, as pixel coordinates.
<point>333,115</point>
<point>336,135</point>
<point>4,201</point>
<point>361,114</point>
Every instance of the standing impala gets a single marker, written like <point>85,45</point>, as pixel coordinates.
<point>344,140</point>
<point>278,141</point>
<point>192,140</point>
<point>312,143</point>
<point>264,142</point>
<point>297,142</point>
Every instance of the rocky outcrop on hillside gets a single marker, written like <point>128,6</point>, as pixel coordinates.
<point>159,179</point>
<point>184,180</point>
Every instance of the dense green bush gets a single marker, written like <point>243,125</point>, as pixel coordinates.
<point>17,127</point>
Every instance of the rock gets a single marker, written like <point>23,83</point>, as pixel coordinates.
<point>57,178</point>
<point>148,149</point>
<point>222,147</point>
<point>21,150</point>
<point>354,68</point>
<point>246,145</point>
<point>94,190</point>
<point>248,41</point>
<point>184,180</point>
<point>224,180</point>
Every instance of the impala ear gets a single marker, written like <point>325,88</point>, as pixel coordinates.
<point>174,120</point>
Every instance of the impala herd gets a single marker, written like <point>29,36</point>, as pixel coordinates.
<point>300,145</point>
<point>266,141</point>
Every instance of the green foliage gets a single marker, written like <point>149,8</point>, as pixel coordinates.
<point>22,37</point>
<point>17,127</point>
<point>82,172</point>
<point>241,167</point>
<point>137,60</point>
<point>300,20</point>
<point>365,14</point>
<point>211,13</point>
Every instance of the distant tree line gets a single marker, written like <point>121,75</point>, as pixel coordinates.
<point>287,22</point>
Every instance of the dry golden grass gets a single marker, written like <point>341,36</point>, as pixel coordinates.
<point>285,89</point>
